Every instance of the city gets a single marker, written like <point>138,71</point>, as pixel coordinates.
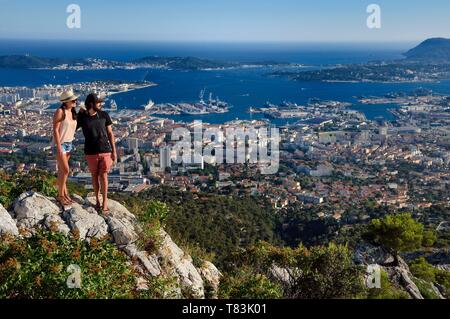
<point>349,161</point>
<point>237,157</point>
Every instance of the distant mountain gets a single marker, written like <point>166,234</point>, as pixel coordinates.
<point>186,63</point>
<point>176,63</point>
<point>435,50</point>
<point>193,63</point>
<point>29,62</point>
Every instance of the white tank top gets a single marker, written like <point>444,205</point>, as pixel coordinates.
<point>67,128</point>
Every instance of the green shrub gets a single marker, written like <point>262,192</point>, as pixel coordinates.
<point>154,211</point>
<point>151,217</point>
<point>429,238</point>
<point>37,268</point>
<point>5,191</point>
<point>425,288</point>
<point>11,186</point>
<point>78,189</point>
<point>398,233</point>
<point>149,237</point>
<point>38,181</point>
<point>327,272</point>
<point>160,287</point>
<point>443,279</point>
<point>387,290</point>
<point>197,253</point>
<point>217,223</point>
<point>420,268</point>
<point>319,272</point>
<point>246,284</point>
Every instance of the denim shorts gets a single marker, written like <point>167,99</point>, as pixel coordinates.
<point>66,147</point>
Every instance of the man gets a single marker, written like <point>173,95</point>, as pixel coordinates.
<point>99,146</point>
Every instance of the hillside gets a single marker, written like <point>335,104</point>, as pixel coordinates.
<point>38,222</point>
<point>129,254</point>
<point>176,63</point>
<point>434,50</point>
<point>31,62</point>
<point>219,225</point>
<point>186,63</point>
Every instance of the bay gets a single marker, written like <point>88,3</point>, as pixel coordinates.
<point>241,88</point>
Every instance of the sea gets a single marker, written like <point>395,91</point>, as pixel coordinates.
<point>242,88</point>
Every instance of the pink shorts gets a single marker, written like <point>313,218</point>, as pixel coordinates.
<point>99,163</point>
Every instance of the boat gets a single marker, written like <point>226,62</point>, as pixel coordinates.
<point>149,105</point>
<point>191,109</point>
<point>193,112</point>
<point>211,102</point>
<point>113,105</point>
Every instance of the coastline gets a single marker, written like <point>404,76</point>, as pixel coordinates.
<point>111,93</point>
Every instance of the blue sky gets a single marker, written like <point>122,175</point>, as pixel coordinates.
<point>227,20</point>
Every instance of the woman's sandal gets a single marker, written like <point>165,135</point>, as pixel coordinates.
<point>105,212</point>
<point>69,199</point>
<point>62,201</point>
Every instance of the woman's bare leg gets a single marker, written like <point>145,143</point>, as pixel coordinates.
<point>66,192</point>
<point>63,174</point>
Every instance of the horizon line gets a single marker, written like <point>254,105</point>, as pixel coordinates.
<point>220,41</point>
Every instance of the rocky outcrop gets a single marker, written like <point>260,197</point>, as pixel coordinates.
<point>284,276</point>
<point>122,231</point>
<point>368,254</point>
<point>34,211</point>
<point>55,222</point>
<point>31,209</point>
<point>7,223</point>
<point>86,223</point>
<point>402,277</point>
<point>147,263</point>
<point>211,278</point>
<point>398,272</point>
<point>180,264</point>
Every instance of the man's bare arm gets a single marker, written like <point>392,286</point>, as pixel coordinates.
<point>112,141</point>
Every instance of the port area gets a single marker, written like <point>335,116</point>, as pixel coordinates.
<point>203,106</point>
<point>45,98</point>
<point>287,110</point>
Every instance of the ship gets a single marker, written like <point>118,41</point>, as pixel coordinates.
<point>191,109</point>
<point>215,104</point>
<point>148,106</point>
<point>110,105</point>
<point>113,105</point>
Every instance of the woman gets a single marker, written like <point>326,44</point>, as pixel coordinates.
<point>64,127</point>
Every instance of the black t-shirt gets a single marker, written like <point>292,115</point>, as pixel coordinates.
<point>94,131</point>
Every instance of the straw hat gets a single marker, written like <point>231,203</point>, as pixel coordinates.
<point>67,96</point>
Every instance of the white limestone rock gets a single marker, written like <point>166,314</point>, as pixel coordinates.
<point>7,223</point>
<point>31,209</point>
<point>181,265</point>
<point>89,225</point>
<point>211,278</point>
